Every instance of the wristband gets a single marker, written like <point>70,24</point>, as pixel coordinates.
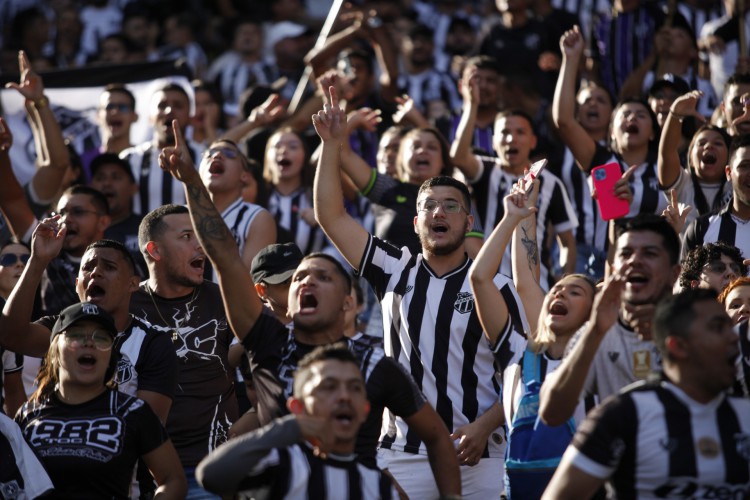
<point>677,116</point>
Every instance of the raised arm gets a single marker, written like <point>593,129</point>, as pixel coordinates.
<point>354,166</point>
<point>52,155</point>
<point>526,264</point>
<point>266,114</point>
<point>573,134</point>
<point>461,151</point>
<point>13,201</point>
<point>17,332</point>
<point>669,159</point>
<point>562,389</point>
<point>349,237</point>
<point>491,307</point>
<point>242,305</point>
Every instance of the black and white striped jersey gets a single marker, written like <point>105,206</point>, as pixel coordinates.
<point>653,441</point>
<point>492,184</point>
<point>431,327</point>
<point>155,186</point>
<point>742,384</point>
<point>286,209</point>
<point>591,230</point>
<point>233,76</point>
<point>430,85</point>
<point>721,226</point>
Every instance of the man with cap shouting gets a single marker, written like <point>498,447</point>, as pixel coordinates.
<point>272,270</point>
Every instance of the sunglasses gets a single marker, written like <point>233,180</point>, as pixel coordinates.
<point>76,338</point>
<point>449,206</point>
<point>9,259</point>
<point>225,152</point>
<point>720,267</point>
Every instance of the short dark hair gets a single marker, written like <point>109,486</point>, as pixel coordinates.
<point>337,352</point>
<point>115,245</point>
<point>122,89</point>
<point>675,313</point>
<point>482,62</point>
<point>739,142</point>
<point>111,159</point>
<point>698,257</point>
<point>737,79</point>
<point>655,224</point>
<point>336,264</point>
<point>97,198</point>
<point>173,87</point>
<point>507,113</point>
<point>152,225</point>
<point>712,128</point>
<point>444,180</point>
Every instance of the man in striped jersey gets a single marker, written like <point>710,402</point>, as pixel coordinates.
<point>156,188</point>
<point>432,327</point>
<point>319,297</point>
<point>731,223</point>
<point>290,457</point>
<point>678,436</point>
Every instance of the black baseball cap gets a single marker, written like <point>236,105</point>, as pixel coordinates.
<point>672,81</point>
<point>276,263</point>
<point>111,159</point>
<point>81,311</point>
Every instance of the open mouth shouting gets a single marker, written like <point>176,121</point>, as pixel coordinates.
<point>632,129</point>
<point>216,168</point>
<point>558,309</point>
<point>198,263</point>
<point>308,302</point>
<point>94,293</point>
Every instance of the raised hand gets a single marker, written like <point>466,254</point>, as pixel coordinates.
<point>30,84</point>
<point>520,203</point>
<point>330,122</point>
<point>267,113</point>
<point>571,43</point>
<point>745,116</point>
<point>335,78</point>
<point>686,105</point>
<point>6,138</point>
<point>676,213</point>
<point>176,159</point>
<point>606,306</point>
<point>47,239</point>
<point>469,86</point>
<point>365,118</point>
<point>407,111</point>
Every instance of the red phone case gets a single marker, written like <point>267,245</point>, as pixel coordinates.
<point>604,178</point>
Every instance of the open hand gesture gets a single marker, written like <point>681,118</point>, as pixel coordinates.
<point>676,213</point>
<point>30,85</point>
<point>176,159</point>
<point>686,105</point>
<point>47,239</point>
<point>330,122</point>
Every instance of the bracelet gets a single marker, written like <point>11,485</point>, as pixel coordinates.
<point>679,117</point>
<point>42,102</point>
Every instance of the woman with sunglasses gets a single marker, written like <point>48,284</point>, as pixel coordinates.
<point>524,360</point>
<point>13,259</point>
<point>713,265</point>
<point>88,435</point>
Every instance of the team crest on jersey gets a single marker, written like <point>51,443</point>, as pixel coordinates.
<point>464,302</point>
<point>613,355</point>
<point>124,370</point>
<point>742,442</point>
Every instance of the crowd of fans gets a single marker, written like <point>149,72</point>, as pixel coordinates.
<point>181,316</point>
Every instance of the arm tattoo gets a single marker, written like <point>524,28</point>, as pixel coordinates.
<point>532,249</point>
<point>212,231</point>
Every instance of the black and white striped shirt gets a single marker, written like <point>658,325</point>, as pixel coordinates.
<point>431,327</point>
<point>493,183</point>
<point>430,85</point>
<point>721,226</point>
<point>742,384</point>
<point>233,76</point>
<point>286,210</point>
<point>653,441</point>
<point>156,187</point>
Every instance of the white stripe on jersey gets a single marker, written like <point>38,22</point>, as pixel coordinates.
<point>452,362</point>
<point>591,228</point>
<point>286,210</point>
<point>721,226</point>
<point>130,351</point>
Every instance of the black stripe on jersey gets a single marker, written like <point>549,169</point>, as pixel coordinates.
<point>143,181</point>
<point>650,197</point>
<point>166,186</point>
<point>677,418</point>
<point>282,483</point>
<point>316,480</point>
<point>736,466</point>
<point>469,379</point>
<point>385,487</point>
<point>355,483</point>
<point>728,230</point>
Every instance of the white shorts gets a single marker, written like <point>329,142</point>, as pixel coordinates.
<point>483,481</point>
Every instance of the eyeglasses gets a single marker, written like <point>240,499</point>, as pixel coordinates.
<point>10,259</point>
<point>720,267</point>
<point>225,152</point>
<point>449,206</point>
<point>122,108</point>
<point>75,212</point>
<point>76,338</point>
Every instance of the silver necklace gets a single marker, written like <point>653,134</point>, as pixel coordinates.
<point>176,331</point>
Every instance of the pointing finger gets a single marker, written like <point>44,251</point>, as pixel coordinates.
<point>334,100</point>
<point>178,140</point>
<point>629,172</point>
<point>673,197</point>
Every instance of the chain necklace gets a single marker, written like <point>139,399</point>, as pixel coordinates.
<point>176,331</point>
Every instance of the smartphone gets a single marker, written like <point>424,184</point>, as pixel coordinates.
<point>533,173</point>
<point>604,178</point>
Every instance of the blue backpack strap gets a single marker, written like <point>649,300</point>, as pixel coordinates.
<point>532,370</point>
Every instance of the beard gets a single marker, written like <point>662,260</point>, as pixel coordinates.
<point>446,248</point>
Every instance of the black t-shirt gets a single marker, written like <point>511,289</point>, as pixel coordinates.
<point>204,405</point>
<point>146,359</point>
<point>274,354</point>
<point>89,450</point>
